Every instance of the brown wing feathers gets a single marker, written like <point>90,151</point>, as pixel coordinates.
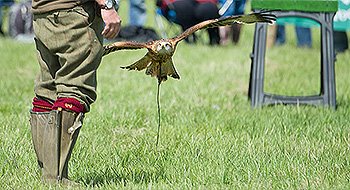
<point>124,45</point>
<point>193,29</point>
<point>244,19</point>
<point>264,16</point>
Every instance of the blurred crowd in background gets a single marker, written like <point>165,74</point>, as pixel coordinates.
<point>184,13</point>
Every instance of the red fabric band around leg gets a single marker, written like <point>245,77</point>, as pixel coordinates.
<point>41,105</point>
<point>69,104</point>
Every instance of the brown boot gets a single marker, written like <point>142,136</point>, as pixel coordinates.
<point>38,121</point>
<point>60,136</point>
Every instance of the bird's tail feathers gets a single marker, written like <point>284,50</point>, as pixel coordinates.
<point>152,69</point>
<point>170,70</point>
<point>162,71</point>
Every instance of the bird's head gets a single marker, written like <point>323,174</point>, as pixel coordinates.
<point>164,47</point>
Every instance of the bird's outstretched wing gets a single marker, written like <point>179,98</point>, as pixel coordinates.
<point>125,45</point>
<point>264,16</point>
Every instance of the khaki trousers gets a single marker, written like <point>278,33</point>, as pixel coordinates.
<point>69,49</point>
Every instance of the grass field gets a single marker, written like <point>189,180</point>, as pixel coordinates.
<point>210,137</point>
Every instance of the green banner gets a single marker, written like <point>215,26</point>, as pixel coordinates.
<point>342,17</point>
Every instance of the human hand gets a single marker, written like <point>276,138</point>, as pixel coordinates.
<point>112,23</point>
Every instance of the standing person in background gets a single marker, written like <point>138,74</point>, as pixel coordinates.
<point>187,13</point>
<point>231,8</point>
<point>304,38</point>
<point>137,13</point>
<point>340,40</point>
<point>69,40</point>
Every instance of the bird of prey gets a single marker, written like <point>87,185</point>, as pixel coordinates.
<point>158,60</point>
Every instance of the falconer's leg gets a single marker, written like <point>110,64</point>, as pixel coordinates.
<point>45,90</point>
<point>69,51</point>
